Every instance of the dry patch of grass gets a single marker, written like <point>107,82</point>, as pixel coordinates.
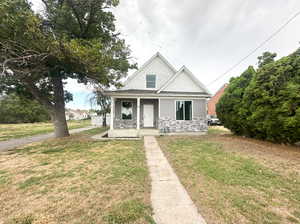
<point>75,180</point>
<point>11,131</point>
<point>230,186</point>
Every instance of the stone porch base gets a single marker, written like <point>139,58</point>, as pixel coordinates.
<point>134,133</point>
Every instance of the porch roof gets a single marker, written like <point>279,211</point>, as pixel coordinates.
<point>154,93</point>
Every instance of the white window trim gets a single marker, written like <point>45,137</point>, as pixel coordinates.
<point>175,103</point>
<point>154,83</point>
<point>126,101</point>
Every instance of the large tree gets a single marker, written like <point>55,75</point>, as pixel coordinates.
<point>70,39</point>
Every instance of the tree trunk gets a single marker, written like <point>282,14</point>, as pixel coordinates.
<point>58,118</point>
<point>104,124</point>
<point>58,114</point>
<point>56,109</point>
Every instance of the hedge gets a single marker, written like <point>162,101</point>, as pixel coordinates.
<point>265,104</point>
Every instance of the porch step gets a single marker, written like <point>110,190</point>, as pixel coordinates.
<point>132,133</point>
<point>123,133</point>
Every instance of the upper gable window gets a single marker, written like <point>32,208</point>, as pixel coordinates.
<point>150,81</point>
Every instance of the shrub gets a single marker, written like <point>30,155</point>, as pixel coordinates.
<point>15,109</point>
<point>230,103</point>
<point>268,105</point>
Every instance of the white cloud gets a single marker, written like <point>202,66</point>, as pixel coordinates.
<point>208,36</point>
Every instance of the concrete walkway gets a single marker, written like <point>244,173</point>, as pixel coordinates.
<point>170,201</point>
<point>13,143</point>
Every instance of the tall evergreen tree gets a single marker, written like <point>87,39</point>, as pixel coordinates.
<point>265,104</point>
<point>266,58</point>
<point>228,107</point>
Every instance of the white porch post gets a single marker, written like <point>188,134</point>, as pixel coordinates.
<point>138,113</point>
<point>112,113</point>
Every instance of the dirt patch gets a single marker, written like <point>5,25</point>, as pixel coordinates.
<point>282,158</point>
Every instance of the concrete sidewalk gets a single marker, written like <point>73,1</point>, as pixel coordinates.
<point>170,201</point>
<point>13,143</point>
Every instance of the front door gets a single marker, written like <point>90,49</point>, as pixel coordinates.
<point>148,115</point>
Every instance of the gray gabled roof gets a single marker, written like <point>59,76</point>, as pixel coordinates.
<point>159,55</point>
<point>162,91</point>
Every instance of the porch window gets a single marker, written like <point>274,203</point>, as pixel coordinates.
<point>126,110</point>
<point>150,81</point>
<point>184,110</point>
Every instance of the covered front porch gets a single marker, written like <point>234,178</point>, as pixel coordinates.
<point>134,117</point>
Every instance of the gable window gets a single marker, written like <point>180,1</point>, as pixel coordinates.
<point>126,111</point>
<point>184,110</point>
<point>150,81</point>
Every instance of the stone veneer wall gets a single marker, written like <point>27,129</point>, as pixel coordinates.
<point>167,124</point>
<point>119,123</point>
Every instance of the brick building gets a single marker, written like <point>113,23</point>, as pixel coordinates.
<point>214,100</point>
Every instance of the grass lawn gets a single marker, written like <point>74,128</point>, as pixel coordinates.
<point>11,131</point>
<point>237,180</point>
<point>75,180</point>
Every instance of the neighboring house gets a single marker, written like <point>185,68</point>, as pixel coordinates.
<point>77,114</point>
<point>157,97</point>
<point>214,100</point>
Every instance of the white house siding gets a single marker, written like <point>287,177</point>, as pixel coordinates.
<point>157,67</point>
<point>199,108</point>
<point>183,83</point>
<point>167,108</point>
<point>167,120</point>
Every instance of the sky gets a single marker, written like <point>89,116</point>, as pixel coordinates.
<point>208,36</point>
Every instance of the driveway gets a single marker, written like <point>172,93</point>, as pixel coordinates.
<point>13,143</point>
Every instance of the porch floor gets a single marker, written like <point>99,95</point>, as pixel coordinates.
<point>132,133</point>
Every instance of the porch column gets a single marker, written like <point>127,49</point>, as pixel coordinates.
<point>112,113</point>
<point>138,113</point>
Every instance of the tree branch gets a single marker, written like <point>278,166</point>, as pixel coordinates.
<point>77,16</point>
<point>37,94</point>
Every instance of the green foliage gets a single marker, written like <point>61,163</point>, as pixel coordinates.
<point>68,39</point>
<point>269,106</point>
<point>15,109</point>
<point>103,102</point>
<point>266,58</point>
<point>29,219</point>
<point>231,102</point>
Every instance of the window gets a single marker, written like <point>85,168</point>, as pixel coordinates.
<point>184,110</point>
<point>126,110</point>
<point>150,81</point>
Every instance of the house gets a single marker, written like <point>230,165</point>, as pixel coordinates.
<point>77,114</point>
<point>214,100</point>
<point>158,99</point>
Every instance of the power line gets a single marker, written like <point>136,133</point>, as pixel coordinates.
<point>255,49</point>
